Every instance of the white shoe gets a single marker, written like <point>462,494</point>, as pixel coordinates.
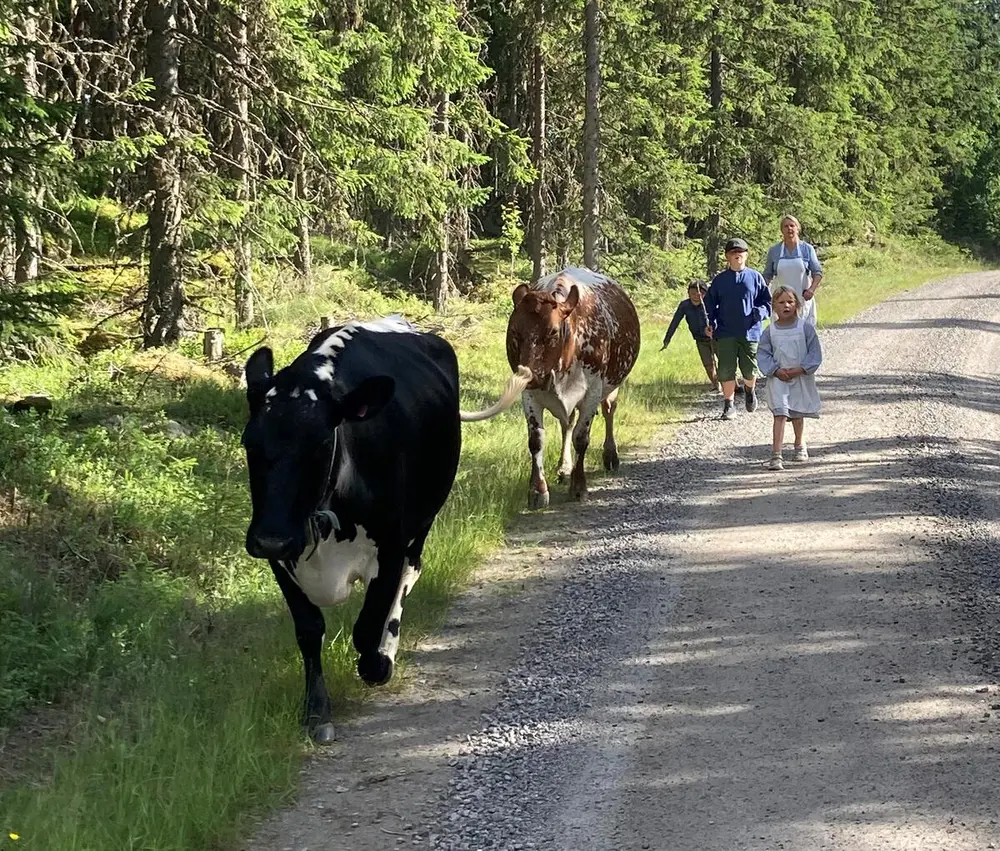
<point>776,463</point>
<point>800,453</point>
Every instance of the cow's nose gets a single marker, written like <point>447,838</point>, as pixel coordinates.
<point>264,546</point>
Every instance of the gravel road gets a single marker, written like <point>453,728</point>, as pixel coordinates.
<point>708,656</point>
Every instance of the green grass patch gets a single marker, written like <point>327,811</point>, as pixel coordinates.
<point>860,277</point>
<point>149,679</point>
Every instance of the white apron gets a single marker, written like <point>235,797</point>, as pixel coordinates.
<point>794,272</point>
<point>799,396</point>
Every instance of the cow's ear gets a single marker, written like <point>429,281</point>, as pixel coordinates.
<point>368,398</point>
<point>572,300</point>
<point>519,292</point>
<point>259,372</point>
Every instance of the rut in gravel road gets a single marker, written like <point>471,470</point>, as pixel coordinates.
<point>709,656</point>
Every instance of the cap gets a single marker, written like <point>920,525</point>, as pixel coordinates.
<point>736,244</point>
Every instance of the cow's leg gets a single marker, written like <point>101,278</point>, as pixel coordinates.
<point>581,441</point>
<point>408,578</point>
<point>376,620</point>
<point>566,463</point>
<point>538,489</point>
<point>608,408</point>
<point>317,714</point>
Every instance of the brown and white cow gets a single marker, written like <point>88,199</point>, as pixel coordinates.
<point>578,333</point>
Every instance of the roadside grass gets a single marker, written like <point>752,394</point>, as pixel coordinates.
<point>857,278</point>
<point>149,679</point>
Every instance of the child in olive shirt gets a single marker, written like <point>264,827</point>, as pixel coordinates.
<point>693,310</point>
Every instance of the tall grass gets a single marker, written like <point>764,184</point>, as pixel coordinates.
<point>149,678</point>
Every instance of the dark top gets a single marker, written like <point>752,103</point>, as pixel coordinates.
<point>737,304</point>
<point>696,318</point>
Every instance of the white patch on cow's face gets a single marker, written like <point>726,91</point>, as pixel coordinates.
<point>311,394</point>
<point>327,576</point>
<point>271,393</point>
<point>324,372</point>
<point>296,392</point>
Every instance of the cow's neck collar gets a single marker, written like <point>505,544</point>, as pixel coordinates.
<point>323,510</point>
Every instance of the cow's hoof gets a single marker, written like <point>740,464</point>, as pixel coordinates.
<point>564,475</point>
<point>375,669</point>
<point>538,499</point>
<point>611,459</point>
<point>578,493</point>
<point>323,734</point>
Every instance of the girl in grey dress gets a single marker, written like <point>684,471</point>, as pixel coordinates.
<point>789,354</point>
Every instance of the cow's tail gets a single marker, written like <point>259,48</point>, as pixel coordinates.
<point>515,385</point>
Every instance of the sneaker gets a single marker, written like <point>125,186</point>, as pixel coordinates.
<point>751,400</point>
<point>727,410</point>
<point>775,463</point>
<point>800,453</point>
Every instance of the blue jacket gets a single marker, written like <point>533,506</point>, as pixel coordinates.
<point>695,316</point>
<point>737,304</point>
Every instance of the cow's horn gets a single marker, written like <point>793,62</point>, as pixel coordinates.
<point>515,385</point>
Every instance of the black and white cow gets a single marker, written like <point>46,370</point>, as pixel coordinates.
<point>352,450</point>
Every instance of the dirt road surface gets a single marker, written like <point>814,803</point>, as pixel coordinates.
<point>709,656</point>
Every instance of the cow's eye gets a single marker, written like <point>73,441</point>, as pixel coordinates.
<point>553,333</point>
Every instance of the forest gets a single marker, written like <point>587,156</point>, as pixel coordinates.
<point>170,167</point>
<point>220,138</point>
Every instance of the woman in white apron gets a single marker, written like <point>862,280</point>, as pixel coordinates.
<point>794,264</point>
<point>789,354</point>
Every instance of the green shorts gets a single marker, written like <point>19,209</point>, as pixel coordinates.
<point>706,351</point>
<point>733,351</point>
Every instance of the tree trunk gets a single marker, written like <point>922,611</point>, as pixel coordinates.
<point>591,132</point>
<point>713,235</point>
<point>538,148</point>
<point>462,220</point>
<point>7,250</point>
<point>442,282</point>
<point>162,312</point>
<point>303,249</point>
<point>242,163</point>
<point>28,245</point>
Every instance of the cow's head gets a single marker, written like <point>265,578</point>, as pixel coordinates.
<point>540,331</point>
<point>292,446</point>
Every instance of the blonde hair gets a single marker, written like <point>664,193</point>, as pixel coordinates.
<point>792,219</point>
<point>781,290</point>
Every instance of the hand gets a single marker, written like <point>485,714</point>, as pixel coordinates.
<point>708,333</point>
<point>807,293</point>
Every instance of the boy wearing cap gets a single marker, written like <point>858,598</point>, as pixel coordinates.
<point>738,302</point>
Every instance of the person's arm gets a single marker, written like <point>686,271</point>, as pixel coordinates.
<point>815,269</point>
<point>678,315</point>
<point>765,354</point>
<point>814,351</point>
<point>711,303</point>
<point>762,299</point>
<point>770,266</point>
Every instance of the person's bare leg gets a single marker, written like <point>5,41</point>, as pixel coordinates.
<point>729,389</point>
<point>779,434</point>
<point>798,426</point>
